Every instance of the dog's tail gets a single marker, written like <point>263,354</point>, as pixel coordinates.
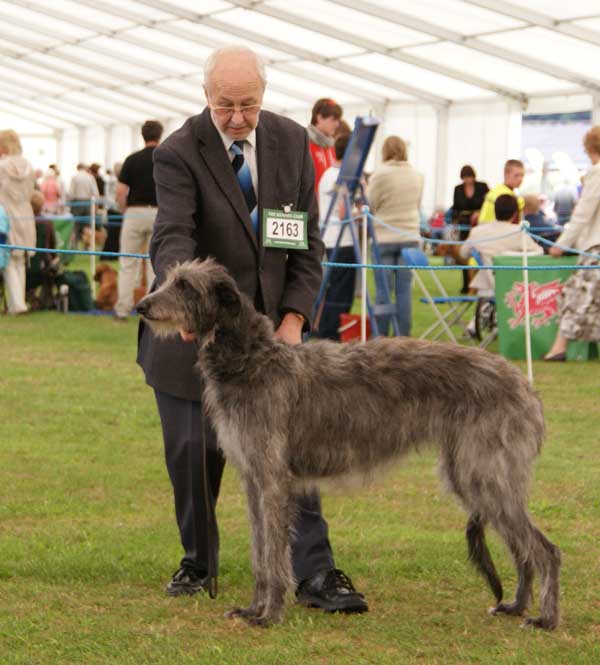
<point>479,554</point>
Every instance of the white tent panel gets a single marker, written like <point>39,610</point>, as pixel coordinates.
<point>350,82</point>
<point>442,86</point>
<point>562,10</point>
<point>204,7</point>
<point>343,95</point>
<point>26,12</point>
<point>106,20</point>
<point>417,125</point>
<point>351,21</point>
<point>150,13</point>
<point>294,35</point>
<point>556,49</point>
<point>108,66</point>
<point>23,125</point>
<point>452,14</point>
<point>68,152</point>
<point>213,37</point>
<point>120,144</point>
<point>94,145</point>
<point>484,136</point>
<point>489,67</point>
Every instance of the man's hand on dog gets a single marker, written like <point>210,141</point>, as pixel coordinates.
<point>187,336</point>
<point>290,329</point>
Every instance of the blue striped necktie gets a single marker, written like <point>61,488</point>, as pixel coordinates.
<point>242,172</point>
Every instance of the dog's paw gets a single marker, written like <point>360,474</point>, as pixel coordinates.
<point>241,612</point>
<point>258,621</point>
<point>540,622</point>
<point>511,609</point>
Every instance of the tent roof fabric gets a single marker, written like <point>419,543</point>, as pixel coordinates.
<point>80,63</point>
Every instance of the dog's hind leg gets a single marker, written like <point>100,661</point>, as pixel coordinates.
<point>531,550</point>
<point>525,571</point>
<point>546,558</point>
<point>479,554</point>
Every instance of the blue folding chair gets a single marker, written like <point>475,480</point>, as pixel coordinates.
<point>457,305</point>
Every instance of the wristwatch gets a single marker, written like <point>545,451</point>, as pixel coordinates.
<point>297,314</point>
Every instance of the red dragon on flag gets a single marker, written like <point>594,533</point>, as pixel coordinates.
<point>542,302</point>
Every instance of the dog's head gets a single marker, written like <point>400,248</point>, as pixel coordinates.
<point>196,296</point>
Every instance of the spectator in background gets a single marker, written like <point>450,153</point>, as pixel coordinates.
<point>136,197</point>
<point>579,302</point>
<point>395,192</point>
<point>538,222</point>
<point>514,171</point>
<point>339,295</point>
<point>17,183</point>
<point>95,173</point>
<point>468,199</point>
<point>53,191</point>
<point>565,198</point>
<point>324,123</point>
<point>343,128</point>
<point>82,189</point>
<point>114,218</point>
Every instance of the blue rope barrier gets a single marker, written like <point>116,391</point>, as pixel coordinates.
<point>571,250</point>
<point>370,266</point>
<point>83,252</point>
<point>377,266</point>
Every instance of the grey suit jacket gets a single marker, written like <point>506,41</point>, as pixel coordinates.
<point>202,212</point>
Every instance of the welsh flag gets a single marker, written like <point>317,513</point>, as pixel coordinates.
<point>544,287</point>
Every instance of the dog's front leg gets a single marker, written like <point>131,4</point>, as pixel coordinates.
<point>269,502</point>
<point>257,537</point>
<point>277,558</point>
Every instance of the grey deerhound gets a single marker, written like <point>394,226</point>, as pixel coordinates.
<point>291,417</point>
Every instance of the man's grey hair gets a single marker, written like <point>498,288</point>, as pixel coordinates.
<point>226,51</point>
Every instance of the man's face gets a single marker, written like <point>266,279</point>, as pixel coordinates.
<point>327,125</point>
<point>234,94</point>
<point>514,177</point>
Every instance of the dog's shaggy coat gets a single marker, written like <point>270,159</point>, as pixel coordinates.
<point>291,416</point>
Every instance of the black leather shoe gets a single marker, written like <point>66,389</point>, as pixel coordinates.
<point>186,582</point>
<point>332,591</point>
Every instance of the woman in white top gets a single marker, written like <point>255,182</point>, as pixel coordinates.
<point>395,191</point>
<point>17,182</point>
<point>579,302</point>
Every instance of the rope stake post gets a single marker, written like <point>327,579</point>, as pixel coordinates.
<point>524,229</point>
<point>93,246</point>
<point>363,274</point>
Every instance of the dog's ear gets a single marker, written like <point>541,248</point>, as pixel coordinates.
<point>228,298</point>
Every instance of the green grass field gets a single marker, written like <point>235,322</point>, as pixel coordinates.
<point>88,536</point>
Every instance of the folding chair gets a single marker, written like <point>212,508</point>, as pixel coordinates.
<point>458,305</point>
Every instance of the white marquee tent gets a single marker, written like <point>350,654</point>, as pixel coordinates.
<point>453,77</point>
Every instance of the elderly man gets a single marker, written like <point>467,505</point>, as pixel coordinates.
<point>214,178</point>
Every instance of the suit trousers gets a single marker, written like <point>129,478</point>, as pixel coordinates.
<point>184,424</point>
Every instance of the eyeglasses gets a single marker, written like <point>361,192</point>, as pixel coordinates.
<point>227,111</point>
